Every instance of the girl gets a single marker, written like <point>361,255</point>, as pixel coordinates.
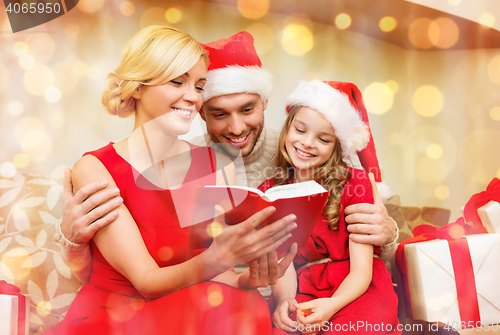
<point>337,285</point>
<point>145,278</point>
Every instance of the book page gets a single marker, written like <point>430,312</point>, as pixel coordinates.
<point>294,190</point>
<point>245,188</point>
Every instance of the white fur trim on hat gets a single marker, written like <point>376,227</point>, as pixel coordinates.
<point>238,79</point>
<point>335,106</point>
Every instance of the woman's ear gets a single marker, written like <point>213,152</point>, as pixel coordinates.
<point>137,92</point>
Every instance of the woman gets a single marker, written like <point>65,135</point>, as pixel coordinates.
<point>145,278</point>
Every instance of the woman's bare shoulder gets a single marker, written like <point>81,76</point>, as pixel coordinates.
<point>89,169</point>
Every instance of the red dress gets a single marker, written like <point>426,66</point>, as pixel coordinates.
<point>109,303</point>
<point>378,305</point>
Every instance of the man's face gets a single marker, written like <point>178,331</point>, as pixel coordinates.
<point>237,119</point>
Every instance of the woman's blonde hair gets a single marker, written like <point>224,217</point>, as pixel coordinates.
<point>332,175</point>
<point>154,56</point>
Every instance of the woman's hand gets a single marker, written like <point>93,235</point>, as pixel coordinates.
<point>312,314</point>
<point>281,316</point>
<point>242,243</point>
<point>266,270</point>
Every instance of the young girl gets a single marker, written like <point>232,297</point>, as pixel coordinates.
<point>337,285</point>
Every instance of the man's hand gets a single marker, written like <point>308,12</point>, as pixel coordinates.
<point>87,211</point>
<point>266,270</point>
<point>370,223</point>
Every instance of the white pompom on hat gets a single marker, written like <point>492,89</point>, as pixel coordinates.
<point>342,105</point>
<point>235,67</point>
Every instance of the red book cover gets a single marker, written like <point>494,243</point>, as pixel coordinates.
<point>306,200</point>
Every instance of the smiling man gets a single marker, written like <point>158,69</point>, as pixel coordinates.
<point>234,101</point>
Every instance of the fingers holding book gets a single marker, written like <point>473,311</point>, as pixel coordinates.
<point>242,243</point>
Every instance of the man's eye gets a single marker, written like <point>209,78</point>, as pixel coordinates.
<point>248,110</point>
<point>218,115</point>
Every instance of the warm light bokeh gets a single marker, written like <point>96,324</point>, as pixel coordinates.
<point>387,24</point>
<point>173,15</point>
<point>343,21</point>
<point>427,101</point>
<point>297,40</point>
<point>378,97</point>
<point>487,20</point>
<point>495,113</point>
<point>442,192</point>
<point>419,33</point>
<point>253,9</point>
<point>127,8</point>
<point>434,151</point>
<point>494,70</point>
<point>444,33</point>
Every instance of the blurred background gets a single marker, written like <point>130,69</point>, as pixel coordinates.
<point>429,72</point>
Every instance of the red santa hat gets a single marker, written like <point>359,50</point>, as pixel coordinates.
<point>342,105</point>
<point>235,67</point>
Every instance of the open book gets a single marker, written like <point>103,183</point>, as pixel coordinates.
<point>306,200</point>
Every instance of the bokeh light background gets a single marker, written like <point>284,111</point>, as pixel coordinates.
<point>429,72</point>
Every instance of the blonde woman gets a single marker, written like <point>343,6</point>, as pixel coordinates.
<point>145,277</point>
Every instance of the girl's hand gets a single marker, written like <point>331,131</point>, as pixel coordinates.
<point>266,270</point>
<point>242,243</point>
<point>281,316</point>
<point>314,313</point>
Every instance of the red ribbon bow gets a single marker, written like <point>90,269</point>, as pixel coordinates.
<point>460,256</point>
<point>480,199</point>
<point>6,288</point>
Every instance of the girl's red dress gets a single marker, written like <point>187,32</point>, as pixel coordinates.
<point>109,303</point>
<point>375,312</point>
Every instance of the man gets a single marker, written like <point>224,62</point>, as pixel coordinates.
<point>235,97</point>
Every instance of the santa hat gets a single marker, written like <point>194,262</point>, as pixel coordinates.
<point>342,105</point>
<point>235,67</point>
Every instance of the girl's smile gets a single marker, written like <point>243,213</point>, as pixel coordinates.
<point>310,141</point>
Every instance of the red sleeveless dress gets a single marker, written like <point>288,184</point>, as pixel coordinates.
<point>109,303</point>
<point>374,312</point>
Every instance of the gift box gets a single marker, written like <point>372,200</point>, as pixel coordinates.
<point>484,207</point>
<point>490,216</point>
<point>8,314</point>
<point>454,281</point>
<point>14,310</point>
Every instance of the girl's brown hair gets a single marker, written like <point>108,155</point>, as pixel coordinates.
<point>332,175</point>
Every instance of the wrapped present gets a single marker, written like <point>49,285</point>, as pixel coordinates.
<point>484,207</point>
<point>449,275</point>
<point>490,216</point>
<point>14,310</point>
<point>8,314</point>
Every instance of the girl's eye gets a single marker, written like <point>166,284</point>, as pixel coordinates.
<point>324,141</point>
<point>299,130</point>
<point>200,89</point>
<point>175,82</point>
